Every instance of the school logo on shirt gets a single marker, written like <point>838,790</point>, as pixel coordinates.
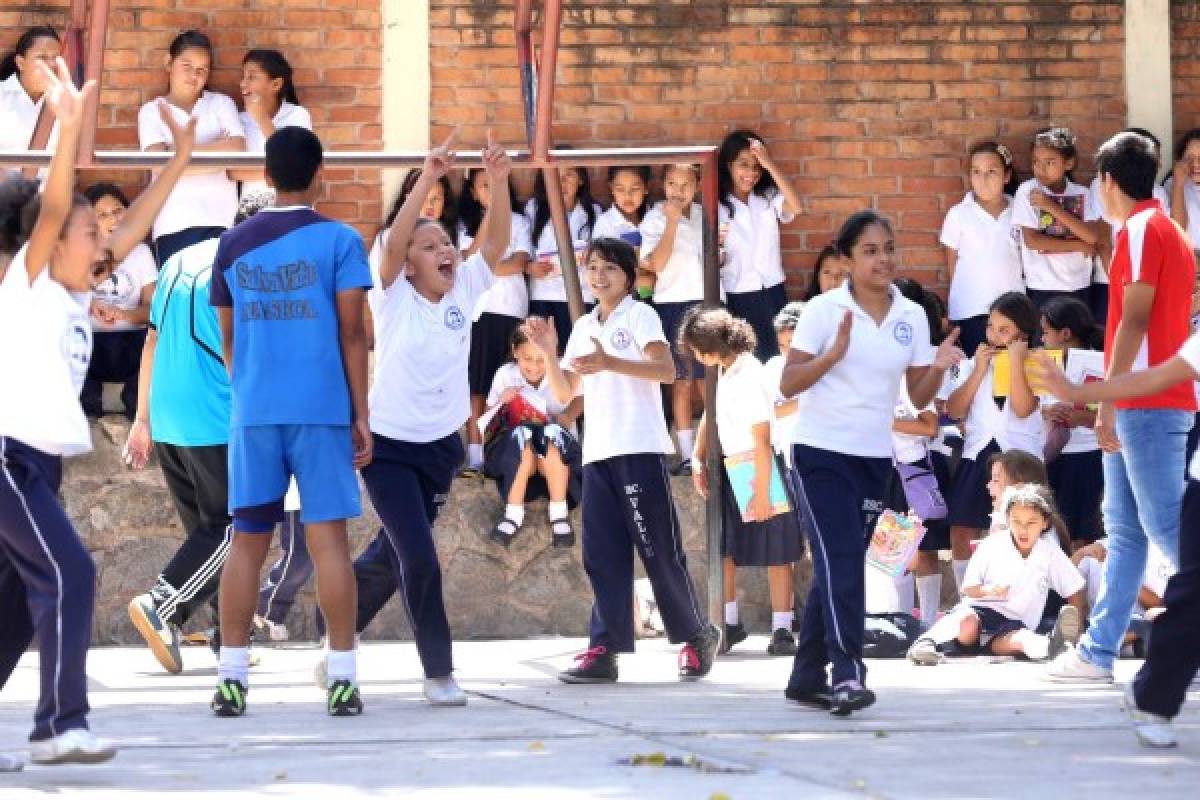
<point>903,333</point>
<point>621,339</point>
<point>78,348</point>
<point>455,318</point>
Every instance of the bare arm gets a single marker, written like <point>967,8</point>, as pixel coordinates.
<point>496,229</point>
<point>802,370</point>
<point>924,425</point>
<point>1178,197</point>
<point>139,442</point>
<point>791,198</point>
<point>1121,387</point>
<point>1135,321</point>
<point>352,336</point>
<point>1042,243</point>
<point>1083,231</point>
<point>657,260</point>
<point>658,365</point>
<point>437,163</point>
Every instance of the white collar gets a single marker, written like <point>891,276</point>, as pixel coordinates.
<point>842,297</point>
<point>621,309</point>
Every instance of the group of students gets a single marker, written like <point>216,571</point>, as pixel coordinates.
<point>253,381</point>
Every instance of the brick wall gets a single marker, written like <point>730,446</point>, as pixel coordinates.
<point>864,104</point>
<point>1185,65</point>
<point>335,47</point>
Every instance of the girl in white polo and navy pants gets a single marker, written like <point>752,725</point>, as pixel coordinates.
<point>616,359</point>
<point>850,351</point>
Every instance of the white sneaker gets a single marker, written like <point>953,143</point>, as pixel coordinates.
<point>924,653</point>
<point>11,763</point>
<point>1152,730</point>
<point>1070,667</point>
<point>444,692</point>
<point>321,671</point>
<point>1035,646</point>
<point>76,746</point>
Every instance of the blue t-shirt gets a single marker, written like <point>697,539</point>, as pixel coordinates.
<point>189,390</point>
<point>281,271</point>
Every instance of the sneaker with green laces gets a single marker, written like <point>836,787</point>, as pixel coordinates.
<point>344,699</point>
<point>230,698</point>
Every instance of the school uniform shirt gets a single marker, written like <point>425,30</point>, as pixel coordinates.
<point>288,115</point>
<point>1191,199</point>
<point>682,278</point>
<point>613,225</point>
<point>624,414</point>
<point>753,260</point>
<point>1190,352</point>
<point>207,199</point>
<point>851,409</point>
<point>123,289</point>
<point>189,386</point>
<point>280,272</point>
<point>509,295</point>
<point>986,422</point>
<point>19,116</point>
<point>551,288</point>
<point>420,392</point>
<point>1082,439</point>
<point>1150,249</point>
<point>47,347</point>
<point>1161,194</point>
<point>743,401</point>
<point>988,257</point>
<point>1060,272</point>
<point>909,448</point>
<point>509,377</point>
<point>997,561</point>
<point>782,428</point>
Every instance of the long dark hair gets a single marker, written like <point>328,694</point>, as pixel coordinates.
<point>814,285</point>
<point>541,203</point>
<point>18,212</point>
<point>619,252</point>
<point>732,146</point>
<point>275,65</point>
<point>470,210</point>
<point>1021,310</point>
<point>1061,140</point>
<point>8,66</point>
<point>104,189</point>
<point>449,218</point>
<point>1068,313</point>
<point>645,174</point>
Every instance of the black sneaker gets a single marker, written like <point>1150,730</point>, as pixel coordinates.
<point>734,634</point>
<point>817,699</point>
<point>344,699</point>
<point>562,534</point>
<point>230,699</point>
<point>782,643</point>
<point>849,697</point>
<point>594,665</point>
<point>696,657</point>
<point>683,468</point>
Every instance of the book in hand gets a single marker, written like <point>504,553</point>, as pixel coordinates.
<point>1052,227</point>
<point>1002,372</point>
<point>740,469</point>
<point>894,542</point>
<point>526,408</point>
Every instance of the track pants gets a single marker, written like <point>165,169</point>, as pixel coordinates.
<point>289,574</point>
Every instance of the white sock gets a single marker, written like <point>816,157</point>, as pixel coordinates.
<point>687,439</point>
<point>234,664</point>
<point>904,593</point>
<point>781,619</point>
<point>960,571</point>
<point>515,513</point>
<point>929,597</point>
<point>731,613</point>
<point>342,666</point>
<point>475,455</point>
<point>557,511</point>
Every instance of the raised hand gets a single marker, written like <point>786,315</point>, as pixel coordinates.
<point>543,336</point>
<point>496,161</point>
<point>841,342</point>
<point>949,354</point>
<point>1051,376</point>
<point>592,363</point>
<point>62,97</point>
<point>759,151</point>
<point>440,159</point>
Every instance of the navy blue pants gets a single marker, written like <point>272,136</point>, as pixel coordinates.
<point>47,587</point>
<point>1173,656</point>
<point>840,498</point>
<point>408,484</point>
<point>759,308</point>
<point>627,505</point>
<point>289,574</point>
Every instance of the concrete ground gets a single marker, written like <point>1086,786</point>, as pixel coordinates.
<point>966,729</point>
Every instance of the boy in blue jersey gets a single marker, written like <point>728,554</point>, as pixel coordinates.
<point>288,286</point>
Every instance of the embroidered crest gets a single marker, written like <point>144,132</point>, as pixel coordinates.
<point>903,333</point>
<point>621,339</point>
<point>455,318</point>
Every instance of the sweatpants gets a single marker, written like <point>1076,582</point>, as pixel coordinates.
<point>627,505</point>
<point>289,574</point>
<point>840,498</point>
<point>198,480</point>
<point>1173,656</point>
<point>116,358</point>
<point>47,587</point>
<point>408,484</point>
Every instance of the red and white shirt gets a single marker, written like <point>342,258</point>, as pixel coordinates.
<point>1151,249</point>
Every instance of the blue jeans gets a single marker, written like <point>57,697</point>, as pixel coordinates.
<point>1143,494</point>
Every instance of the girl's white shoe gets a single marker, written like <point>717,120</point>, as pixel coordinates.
<point>444,692</point>
<point>77,746</point>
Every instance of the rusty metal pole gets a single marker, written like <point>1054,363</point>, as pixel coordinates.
<point>527,74</point>
<point>97,37</point>
<point>714,517</point>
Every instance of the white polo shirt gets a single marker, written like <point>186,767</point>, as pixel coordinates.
<point>551,288</point>
<point>909,448</point>
<point>206,199</point>
<point>1190,352</point>
<point>613,225</point>
<point>851,408</point>
<point>509,295</point>
<point>1063,272</point>
<point>988,262</point>
<point>288,115</point>
<point>420,392</point>
<point>682,278</point>
<point>753,259</point>
<point>997,561</point>
<point>782,428</point>
<point>986,422</point>
<point>19,116</point>
<point>123,289</point>
<point>624,414</point>
<point>48,344</point>
<point>743,401</point>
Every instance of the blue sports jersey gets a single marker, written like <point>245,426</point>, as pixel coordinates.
<point>189,389</point>
<point>280,272</point>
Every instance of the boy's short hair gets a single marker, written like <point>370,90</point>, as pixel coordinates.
<point>293,156</point>
<point>1132,161</point>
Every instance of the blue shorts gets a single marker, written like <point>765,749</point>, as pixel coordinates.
<point>263,457</point>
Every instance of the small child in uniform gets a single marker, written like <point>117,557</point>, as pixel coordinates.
<point>745,410</point>
<point>616,358</point>
<point>630,190</point>
<point>828,273</point>
<point>1006,586</point>
<point>529,459</point>
<point>23,89</point>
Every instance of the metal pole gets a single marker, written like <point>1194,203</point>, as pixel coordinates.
<point>546,77</point>
<point>714,518</point>
<point>97,31</point>
<point>566,243</point>
<point>522,29</point>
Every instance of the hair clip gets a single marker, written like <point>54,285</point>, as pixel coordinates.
<point>1005,154</point>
